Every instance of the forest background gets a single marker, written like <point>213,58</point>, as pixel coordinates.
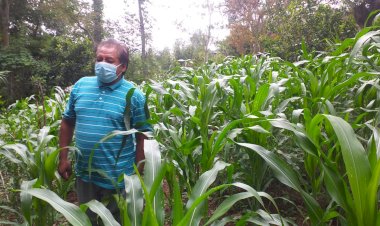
<point>291,96</point>
<point>47,43</point>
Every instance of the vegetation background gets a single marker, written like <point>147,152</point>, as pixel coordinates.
<point>51,42</point>
<point>287,107</point>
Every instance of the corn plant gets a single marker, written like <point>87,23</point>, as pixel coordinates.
<point>31,152</point>
<point>355,196</point>
<point>194,210</point>
<point>200,113</point>
<point>149,190</point>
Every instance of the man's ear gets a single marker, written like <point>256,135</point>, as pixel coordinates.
<point>124,68</point>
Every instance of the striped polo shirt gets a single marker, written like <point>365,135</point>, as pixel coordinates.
<point>97,111</point>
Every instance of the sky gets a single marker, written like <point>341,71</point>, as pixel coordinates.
<point>169,15</point>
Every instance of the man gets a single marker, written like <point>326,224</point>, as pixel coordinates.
<point>97,107</point>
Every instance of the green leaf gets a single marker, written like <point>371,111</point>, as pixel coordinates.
<point>51,164</point>
<point>177,207</point>
<point>361,43</point>
<point>258,129</point>
<point>261,98</point>
<point>372,195</point>
<point>337,90</point>
<point>106,216</point>
<point>230,201</point>
<point>227,204</point>
<point>338,189</point>
<point>71,212</point>
<point>134,198</point>
<point>149,217</point>
<point>221,138</point>
<point>284,104</point>
<point>287,176</point>
<point>153,176</point>
<point>9,155</point>
<point>26,199</point>
<point>127,110</point>
<point>193,215</point>
<point>302,139</point>
<point>356,163</point>
<point>282,170</point>
<point>201,186</point>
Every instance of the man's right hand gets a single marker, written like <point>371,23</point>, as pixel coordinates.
<point>64,169</point>
<point>65,135</point>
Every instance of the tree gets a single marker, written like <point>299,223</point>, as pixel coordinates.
<point>210,7</point>
<point>280,26</point>
<point>97,6</point>
<point>309,21</point>
<point>142,29</point>
<point>34,54</point>
<point>4,11</point>
<point>363,9</point>
<point>246,23</point>
<point>136,33</point>
<point>196,51</point>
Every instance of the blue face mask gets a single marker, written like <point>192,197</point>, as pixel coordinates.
<point>106,72</point>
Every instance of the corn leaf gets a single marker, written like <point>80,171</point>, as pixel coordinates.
<point>356,163</point>
<point>50,164</point>
<point>203,183</point>
<point>71,212</point>
<point>302,140</point>
<point>26,199</point>
<point>372,196</point>
<point>153,176</point>
<point>177,208</point>
<point>230,201</point>
<point>261,98</point>
<point>194,215</point>
<point>360,43</point>
<point>19,149</point>
<point>337,189</point>
<point>227,204</point>
<point>287,176</point>
<point>134,198</point>
<point>106,216</point>
<point>149,217</point>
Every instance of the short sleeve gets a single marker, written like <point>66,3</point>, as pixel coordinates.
<point>69,112</point>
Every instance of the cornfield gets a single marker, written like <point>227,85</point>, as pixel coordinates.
<point>252,140</point>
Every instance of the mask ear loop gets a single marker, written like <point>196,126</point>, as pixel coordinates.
<point>116,70</point>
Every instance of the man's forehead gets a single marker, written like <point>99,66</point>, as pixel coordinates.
<point>106,50</point>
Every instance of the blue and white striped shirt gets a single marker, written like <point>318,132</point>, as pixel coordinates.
<point>97,111</point>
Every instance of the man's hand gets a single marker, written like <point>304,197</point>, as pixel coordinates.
<point>140,156</point>
<point>65,135</point>
<point>64,169</point>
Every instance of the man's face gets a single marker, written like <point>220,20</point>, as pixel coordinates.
<point>109,54</point>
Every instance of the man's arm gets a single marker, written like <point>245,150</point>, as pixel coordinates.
<point>65,138</point>
<point>140,156</point>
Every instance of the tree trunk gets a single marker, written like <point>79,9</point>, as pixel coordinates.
<point>97,6</point>
<point>4,11</point>
<point>143,37</point>
<point>210,10</point>
<point>363,10</point>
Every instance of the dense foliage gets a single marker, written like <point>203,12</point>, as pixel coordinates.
<point>287,133</point>
<point>50,43</point>
<point>297,142</point>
